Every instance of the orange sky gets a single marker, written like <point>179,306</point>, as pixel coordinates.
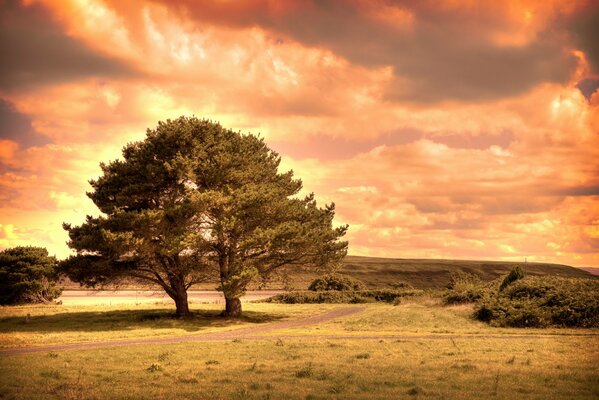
<point>454,129</point>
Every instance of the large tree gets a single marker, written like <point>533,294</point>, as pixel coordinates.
<point>27,275</point>
<point>194,198</point>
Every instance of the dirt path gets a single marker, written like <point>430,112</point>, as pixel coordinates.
<point>243,333</point>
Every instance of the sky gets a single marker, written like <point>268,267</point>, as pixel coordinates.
<point>441,129</point>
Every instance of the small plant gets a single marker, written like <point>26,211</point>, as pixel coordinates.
<point>188,381</point>
<point>305,372</point>
<point>363,356</point>
<point>337,389</point>
<point>212,362</point>
<point>154,368</point>
<point>415,391</point>
<point>51,374</point>
<point>163,356</point>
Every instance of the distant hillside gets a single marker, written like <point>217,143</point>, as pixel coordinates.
<point>591,270</point>
<point>383,272</point>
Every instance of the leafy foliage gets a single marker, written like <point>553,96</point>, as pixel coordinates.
<point>543,301</point>
<point>194,200</point>
<point>336,296</point>
<point>466,288</point>
<point>335,282</point>
<point>515,274</point>
<point>27,275</point>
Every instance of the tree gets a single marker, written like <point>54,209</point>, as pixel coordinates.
<point>194,199</point>
<point>27,275</point>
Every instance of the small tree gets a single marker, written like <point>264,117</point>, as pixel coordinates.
<point>27,275</point>
<point>193,199</point>
<point>515,274</point>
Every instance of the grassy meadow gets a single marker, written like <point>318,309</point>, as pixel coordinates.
<point>418,349</point>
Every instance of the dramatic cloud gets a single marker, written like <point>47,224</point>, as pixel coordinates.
<point>436,52</point>
<point>17,127</point>
<point>449,129</point>
<point>35,51</point>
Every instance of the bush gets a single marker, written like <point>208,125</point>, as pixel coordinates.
<point>515,274</point>
<point>335,296</point>
<point>401,285</point>
<point>335,282</point>
<point>543,301</point>
<point>466,288</point>
<point>27,275</point>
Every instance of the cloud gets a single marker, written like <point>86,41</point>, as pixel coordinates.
<point>437,52</point>
<point>583,27</point>
<point>17,127</point>
<point>36,51</point>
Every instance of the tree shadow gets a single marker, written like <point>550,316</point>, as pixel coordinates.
<point>126,320</point>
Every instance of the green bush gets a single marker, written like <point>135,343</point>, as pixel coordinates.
<point>27,275</point>
<point>401,285</point>
<point>335,282</point>
<point>335,296</point>
<point>466,288</point>
<point>543,301</point>
<point>515,274</point>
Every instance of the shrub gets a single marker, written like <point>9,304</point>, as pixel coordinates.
<point>466,288</point>
<point>27,275</point>
<point>515,274</point>
<point>335,282</point>
<point>401,285</point>
<point>542,302</point>
<point>460,278</point>
<point>333,296</point>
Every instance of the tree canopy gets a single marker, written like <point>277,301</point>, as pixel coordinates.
<point>195,199</point>
<point>27,275</point>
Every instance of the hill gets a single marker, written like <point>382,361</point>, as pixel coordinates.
<point>429,273</point>
<point>378,273</point>
<point>594,271</point>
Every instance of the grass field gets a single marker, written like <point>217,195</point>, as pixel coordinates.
<point>419,349</point>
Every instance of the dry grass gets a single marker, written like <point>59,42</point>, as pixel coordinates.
<point>54,324</point>
<point>476,362</point>
<point>300,369</point>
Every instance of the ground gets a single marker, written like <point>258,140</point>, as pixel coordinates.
<point>419,349</point>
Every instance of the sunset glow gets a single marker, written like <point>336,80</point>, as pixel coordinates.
<point>440,129</point>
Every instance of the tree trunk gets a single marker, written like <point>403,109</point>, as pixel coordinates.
<point>181,303</point>
<point>232,307</point>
